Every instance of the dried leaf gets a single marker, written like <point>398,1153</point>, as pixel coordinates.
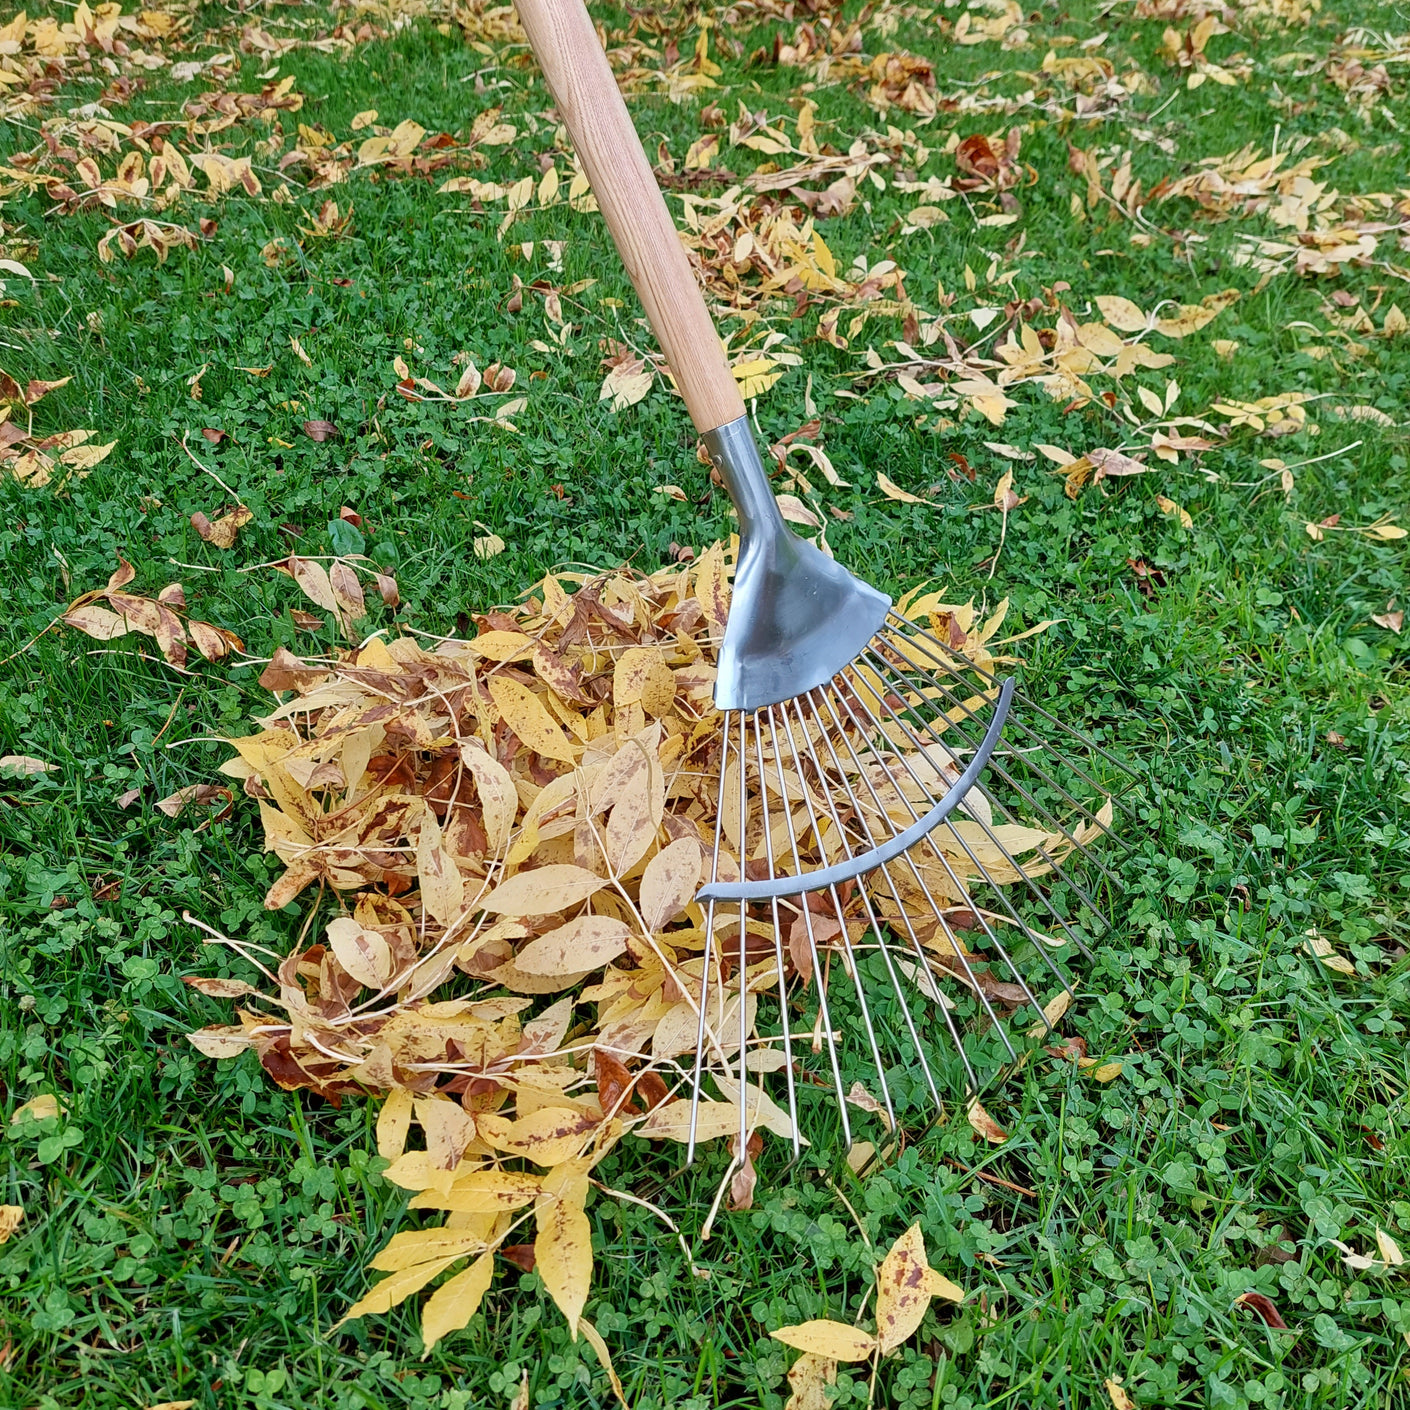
<point>669,882</point>
<point>24,766</point>
<point>1117,1395</point>
<point>587,943</point>
<point>563,1257</point>
<point>525,714</point>
<point>442,887</point>
<point>985,1124</point>
<point>892,490</point>
<point>833,1340</point>
<point>10,1217</point>
<point>1264,1306</point>
<point>544,890</point>
<point>455,1302</point>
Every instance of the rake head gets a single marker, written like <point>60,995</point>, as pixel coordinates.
<point>893,847</point>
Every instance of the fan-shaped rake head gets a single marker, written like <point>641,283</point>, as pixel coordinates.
<point>906,812</point>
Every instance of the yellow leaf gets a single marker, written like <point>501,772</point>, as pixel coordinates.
<point>892,490</point>
<point>985,1124</point>
<point>400,1286</point>
<point>41,1108</point>
<point>455,1302</point>
<point>363,119</point>
<point>483,1192</point>
<point>902,1290</point>
<point>442,887</point>
<point>583,944</point>
<point>524,713</point>
<point>86,457</point>
<point>563,1257</point>
<point>548,1136</point>
<point>417,1247</point>
<point>1118,1397</point>
<point>669,882</point>
<point>594,1339</point>
<point>544,890</point>
<point>808,1380</point>
<point>364,954</point>
<point>1389,1250</point>
<point>1107,1072</point>
<point>499,800</point>
<point>1168,506</point>
<point>756,375</point>
<point>393,1123</point>
<point>10,1216</point>
<point>835,1340</point>
<point>503,646</point>
<point>1121,313</point>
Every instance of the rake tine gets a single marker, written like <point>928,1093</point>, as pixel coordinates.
<point>895,895</point>
<point>905,624</point>
<point>778,941</point>
<point>950,935</point>
<point>866,899</point>
<point>1036,768</point>
<point>1004,900</point>
<point>821,988</point>
<point>1043,812</point>
<point>709,948</point>
<point>742,1154</point>
<point>964,889</point>
<point>1041,896</point>
<point>837,906</point>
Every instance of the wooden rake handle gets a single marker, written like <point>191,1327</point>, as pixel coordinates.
<point>566,46</point>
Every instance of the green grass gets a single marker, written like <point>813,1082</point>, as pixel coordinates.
<point>191,1232</point>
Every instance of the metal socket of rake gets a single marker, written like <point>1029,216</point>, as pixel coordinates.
<point>884,794</point>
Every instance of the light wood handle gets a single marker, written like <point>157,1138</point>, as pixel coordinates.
<point>566,46</point>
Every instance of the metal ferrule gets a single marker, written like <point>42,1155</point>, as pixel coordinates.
<point>796,617</point>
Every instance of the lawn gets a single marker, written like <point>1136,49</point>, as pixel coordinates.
<point>1227,590</point>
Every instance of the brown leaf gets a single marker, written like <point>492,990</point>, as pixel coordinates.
<point>198,795</point>
<point>1264,1306</point>
<point>985,1124</point>
<point>222,532</point>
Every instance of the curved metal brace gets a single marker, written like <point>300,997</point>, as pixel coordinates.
<point>866,861</point>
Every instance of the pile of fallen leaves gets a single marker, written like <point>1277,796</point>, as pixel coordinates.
<point>505,818</point>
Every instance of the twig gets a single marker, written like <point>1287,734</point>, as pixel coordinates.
<point>696,1270</point>
<point>993,1179</point>
<point>207,470</point>
<point>31,641</point>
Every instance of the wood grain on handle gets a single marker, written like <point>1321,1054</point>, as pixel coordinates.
<point>566,46</point>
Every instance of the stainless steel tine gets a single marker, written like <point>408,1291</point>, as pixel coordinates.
<point>742,1154</point>
<point>866,899</point>
<point>1042,851</point>
<point>898,642</point>
<point>778,940</point>
<point>709,947</point>
<point>998,890</point>
<point>1040,895</point>
<point>963,891</point>
<point>836,899</point>
<point>821,988</point>
<point>920,954</point>
<point>998,768</point>
<point>905,626</point>
<point>935,906</point>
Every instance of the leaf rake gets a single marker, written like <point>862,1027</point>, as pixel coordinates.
<point>880,793</point>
